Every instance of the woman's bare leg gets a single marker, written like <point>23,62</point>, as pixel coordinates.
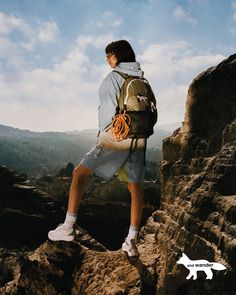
<point>129,245</point>
<point>136,191</point>
<point>80,175</point>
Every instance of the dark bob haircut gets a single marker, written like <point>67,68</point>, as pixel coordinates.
<point>122,50</point>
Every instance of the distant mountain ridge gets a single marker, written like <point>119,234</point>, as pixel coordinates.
<point>40,153</point>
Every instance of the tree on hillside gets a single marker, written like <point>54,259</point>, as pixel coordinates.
<point>66,171</point>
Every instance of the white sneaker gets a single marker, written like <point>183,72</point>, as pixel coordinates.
<point>62,233</point>
<point>130,248</point>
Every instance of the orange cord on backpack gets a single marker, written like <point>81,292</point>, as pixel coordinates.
<point>121,126</point>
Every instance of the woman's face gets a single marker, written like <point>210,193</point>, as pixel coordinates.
<point>112,60</point>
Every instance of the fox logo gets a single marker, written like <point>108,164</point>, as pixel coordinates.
<point>141,98</point>
<point>199,265</point>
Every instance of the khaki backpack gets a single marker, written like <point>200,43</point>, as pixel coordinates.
<point>136,112</point>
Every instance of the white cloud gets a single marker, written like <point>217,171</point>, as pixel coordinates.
<point>84,41</point>
<point>11,54</point>
<point>107,14</point>
<point>118,22</point>
<point>8,23</point>
<point>60,117</point>
<point>233,6</point>
<point>155,1</point>
<point>198,2</point>
<point>108,17</point>
<point>64,95</point>
<point>233,31</point>
<point>181,14</point>
<point>170,67</point>
<point>200,61</point>
<point>48,32</point>
<point>66,82</point>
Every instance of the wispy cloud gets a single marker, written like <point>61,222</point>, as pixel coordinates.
<point>170,67</point>
<point>155,1</point>
<point>64,94</point>
<point>40,79</point>
<point>8,23</point>
<point>233,6</point>
<point>118,22</point>
<point>45,32</point>
<point>83,41</point>
<point>48,32</point>
<point>11,56</point>
<point>107,14</point>
<point>233,31</point>
<point>109,17</point>
<point>181,14</point>
<point>198,2</point>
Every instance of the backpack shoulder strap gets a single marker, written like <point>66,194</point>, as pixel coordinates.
<point>123,89</point>
<point>123,75</point>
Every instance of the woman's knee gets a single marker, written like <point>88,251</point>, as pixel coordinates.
<point>81,172</point>
<point>135,187</point>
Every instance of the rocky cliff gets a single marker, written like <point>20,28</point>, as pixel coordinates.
<point>198,209</point>
<point>197,215</point>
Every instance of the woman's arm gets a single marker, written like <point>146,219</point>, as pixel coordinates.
<point>109,92</point>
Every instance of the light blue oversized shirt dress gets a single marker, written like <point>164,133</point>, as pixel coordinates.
<point>106,162</point>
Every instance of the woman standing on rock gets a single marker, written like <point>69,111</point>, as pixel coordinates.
<point>104,161</point>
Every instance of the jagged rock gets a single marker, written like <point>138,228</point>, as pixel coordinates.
<point>72,268</point>
<point>210,107</point>
<point>60,267</point>
<point>197,214</point>
<point>26,214</point>
<point>47,270</point>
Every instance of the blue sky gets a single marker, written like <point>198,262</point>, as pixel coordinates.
<point>52,54</point>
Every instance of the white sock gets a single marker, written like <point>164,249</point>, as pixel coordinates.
<point>133,233</point>
<point>70,219</point>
